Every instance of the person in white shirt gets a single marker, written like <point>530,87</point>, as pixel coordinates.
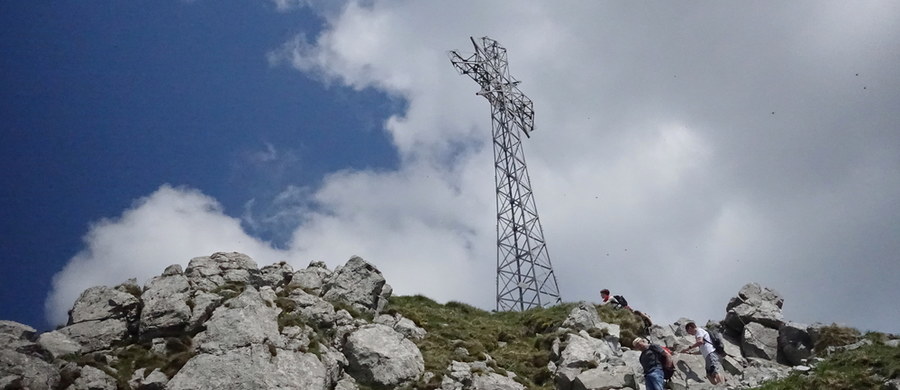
<point>606,299</point>
<point>713,373</point>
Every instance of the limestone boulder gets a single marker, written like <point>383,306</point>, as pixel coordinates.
<point>23,370</point>
<point>93,379</point>
<point>248,319</point>
<point>759,342</point>
<point>276,275</point>
<point>210,272</point>
<point>96,335</point>
<point>494,381</point>
<point>401,324</point>
<point>156,380</point>
<point>346,383</point>
<point>478,375</point>
<point>335,362</point>
<point>166,310</point>
<point>759,371</point>
<point>583,351</point>
<point>310,308</point>
<point>57,344</point>
<point>754,303</point>
<point>794,342</point>
<point>358,284</point>
<point>103,303</point>
<point>312,278</point>
<point>379,355</point>
<point>582,317</point>
<point>253,367</point>
<point>11,330</point>
<point>605,377</point>
<point>202,305</point>
<point>690,371</point>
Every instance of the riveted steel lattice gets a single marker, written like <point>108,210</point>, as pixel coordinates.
<point>525,276</point>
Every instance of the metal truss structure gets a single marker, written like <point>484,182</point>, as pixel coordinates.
<point>525,276</point>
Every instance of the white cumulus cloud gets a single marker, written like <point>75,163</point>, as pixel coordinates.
<point>681,151</point>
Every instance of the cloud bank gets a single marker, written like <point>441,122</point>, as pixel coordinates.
<point>680,152</point>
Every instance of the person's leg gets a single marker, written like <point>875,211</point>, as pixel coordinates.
<point>654,380</point>
<point>712,369</point>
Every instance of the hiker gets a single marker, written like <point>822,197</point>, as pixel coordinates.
<point>617,301</point>
<point>645,319</point>
<point>713,373</point>
<point>656,362</point>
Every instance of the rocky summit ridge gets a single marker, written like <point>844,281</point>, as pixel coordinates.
<point>225,323</point>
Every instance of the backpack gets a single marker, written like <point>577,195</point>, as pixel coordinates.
<point>716,340</point>
<point>621,300</point>
<point>667,363</point>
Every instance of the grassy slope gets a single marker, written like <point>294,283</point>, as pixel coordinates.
<point>517,341</point>
<point>865,368</point>
<point>520,342</point>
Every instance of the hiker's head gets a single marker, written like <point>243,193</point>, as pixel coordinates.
<point>640,343</point>
<point>691,328</point>
<point>604,293</point>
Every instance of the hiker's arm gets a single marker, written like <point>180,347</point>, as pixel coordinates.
<point>692,346</point>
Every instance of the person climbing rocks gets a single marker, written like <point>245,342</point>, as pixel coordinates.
<point>713,371</point>
<point>617,301</point>
<point>655,361</point>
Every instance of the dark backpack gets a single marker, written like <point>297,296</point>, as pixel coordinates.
<point>716,340</point>
<point>621,300</point>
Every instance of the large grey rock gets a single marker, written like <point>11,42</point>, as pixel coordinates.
<point>210,272</point>
<point>93,379</point>
<point>583,316</point>
<point>96,335</point>
<point>893,384</point>
<point>311,308</point>
<point>478,376</point>
<point>794,342</point>
<point>346,383</point>
<point>403,325</point>
<point>156,380</point>
<point>358,284</point>
<point>759,371</point>
<point>334,362</point>
<point>494,381</point>
<point>253,367</point>
<point>277,274</point>
<point>379,355</point>
<point>57,344</point>
<point>583,351</point>
<point>760,342</point>
<point>754,303</point>
<point>202,304</point>
<point>312,278</point>
<point>249,318</point>
<point>26,371</point>
<point>165,311</point>
<point>102,303</point>
<point>690,371</point>
<point>605,377</point>
<point>11,330</point>
<point>564,377</point>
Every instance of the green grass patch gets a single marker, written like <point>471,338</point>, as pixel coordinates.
<point>517,341</point>
<point>867,367</point>
<point>834,336</point>
<point>229,290</point>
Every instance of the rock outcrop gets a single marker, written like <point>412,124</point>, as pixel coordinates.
<point>223,323</point>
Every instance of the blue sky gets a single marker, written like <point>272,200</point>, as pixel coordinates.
<point>104,102</point>
<point>680,151</point>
